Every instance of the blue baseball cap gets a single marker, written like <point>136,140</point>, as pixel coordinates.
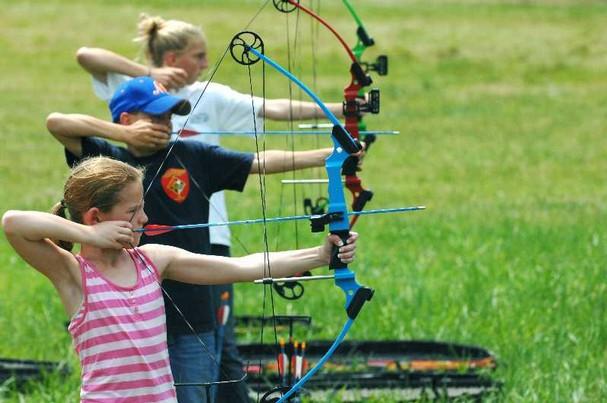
<point>143,94</point>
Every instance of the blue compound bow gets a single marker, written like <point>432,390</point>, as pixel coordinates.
<point>247,48</point>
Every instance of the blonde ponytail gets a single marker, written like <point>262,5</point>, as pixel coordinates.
<point>158,36</point>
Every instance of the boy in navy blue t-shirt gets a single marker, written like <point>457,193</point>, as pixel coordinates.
<point>181,175</point>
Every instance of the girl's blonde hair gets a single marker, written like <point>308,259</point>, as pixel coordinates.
<point>95,182</point>
<point>158,36</point>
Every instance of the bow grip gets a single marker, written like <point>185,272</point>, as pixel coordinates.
<point>336,263</point>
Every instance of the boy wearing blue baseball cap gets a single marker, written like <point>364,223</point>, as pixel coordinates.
<point>180,190</point>
<point>143,94</point>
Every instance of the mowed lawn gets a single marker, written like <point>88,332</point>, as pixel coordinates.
<point>502,109</point>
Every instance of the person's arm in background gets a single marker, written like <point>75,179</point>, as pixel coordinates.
<point>99,62</point>
<point>285,109</point>
<point>69,129</point>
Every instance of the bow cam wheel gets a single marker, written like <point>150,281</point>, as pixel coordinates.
<point>284,6</point>
<point>241,45</point>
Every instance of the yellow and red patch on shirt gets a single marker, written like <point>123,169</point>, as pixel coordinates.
<point>176,184</point>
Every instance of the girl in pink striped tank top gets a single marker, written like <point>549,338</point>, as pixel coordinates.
<point>112,291</point>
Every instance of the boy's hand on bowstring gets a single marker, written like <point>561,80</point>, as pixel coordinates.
<point>146,134</point>
<point>112,235</point>
<point>170,77</point>
<point>346,251</point>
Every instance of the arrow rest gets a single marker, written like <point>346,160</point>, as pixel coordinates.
<point>318,223</point>
<point>362,199</point>
<point>316,208</point>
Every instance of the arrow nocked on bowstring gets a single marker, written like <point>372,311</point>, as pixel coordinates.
<point>159,229</point>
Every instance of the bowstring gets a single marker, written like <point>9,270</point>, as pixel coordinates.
<point>314,35</point>
<point>147,190</point>
<point>262,174</point>
<point>263,192</point>
<point>152,181</point>
<point>291,65</point>
<point>290,139</point>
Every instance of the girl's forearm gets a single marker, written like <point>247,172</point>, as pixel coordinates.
<point>282,264</point>
<point>189,267</point>
<point>36,225</point>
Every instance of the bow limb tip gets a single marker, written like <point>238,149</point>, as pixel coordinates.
<point>362,295</point>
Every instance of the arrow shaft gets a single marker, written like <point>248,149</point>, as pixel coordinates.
<point>275,219</point>
<point>286,132</point>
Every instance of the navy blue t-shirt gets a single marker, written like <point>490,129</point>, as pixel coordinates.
<point>179,195</point>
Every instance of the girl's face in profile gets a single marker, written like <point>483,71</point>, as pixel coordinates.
<point>193,60</point>
<point>129,208</point>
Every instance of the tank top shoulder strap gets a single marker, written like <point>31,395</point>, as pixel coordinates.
<point>143,263</point>
<point>85,273</point>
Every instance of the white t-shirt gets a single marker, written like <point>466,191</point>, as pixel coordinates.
<point>220,108</point>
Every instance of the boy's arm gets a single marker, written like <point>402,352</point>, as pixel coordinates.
<point>275,161</point>
<point>69,129</point>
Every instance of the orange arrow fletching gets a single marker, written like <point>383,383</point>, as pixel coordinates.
<point>156,229</point>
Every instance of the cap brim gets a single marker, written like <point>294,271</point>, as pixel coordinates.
<point>166,104</point>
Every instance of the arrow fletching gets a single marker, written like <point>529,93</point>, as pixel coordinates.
<point>157,229</point>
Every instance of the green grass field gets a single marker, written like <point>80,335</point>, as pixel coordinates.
<point>502,111</point>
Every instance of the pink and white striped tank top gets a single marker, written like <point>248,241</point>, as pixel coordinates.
<point>120,336</point>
